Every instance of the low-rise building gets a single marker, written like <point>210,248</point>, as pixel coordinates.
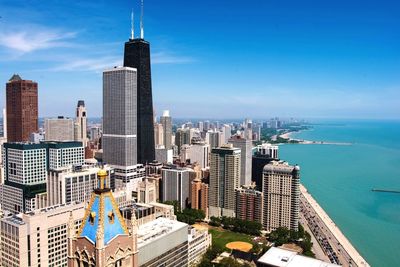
<point>199,242</point>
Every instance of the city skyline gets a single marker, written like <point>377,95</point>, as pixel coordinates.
<point>255,58</point>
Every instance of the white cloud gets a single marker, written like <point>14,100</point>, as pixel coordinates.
<point>25,42</point>
<point>89,64</point>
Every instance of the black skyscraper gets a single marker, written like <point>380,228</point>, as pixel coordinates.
<point>137,55</point>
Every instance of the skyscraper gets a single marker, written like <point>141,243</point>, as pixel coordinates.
<point>22,109</point>
<point>119,120</point>
<point>81,123</point>
<point>137,55</point>
<point>224,179</point>
<point>281,192</point>
<point>166,122</point>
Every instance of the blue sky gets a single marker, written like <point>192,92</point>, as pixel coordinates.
<point>216,59</point>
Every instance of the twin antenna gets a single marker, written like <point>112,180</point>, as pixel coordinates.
<point>141,23</point>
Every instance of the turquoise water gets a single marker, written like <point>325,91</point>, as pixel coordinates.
<point>341,178</point>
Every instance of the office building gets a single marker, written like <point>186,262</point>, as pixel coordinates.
<point>163,242</point>
<point>249,204</point>
<point>22,109</point>
<point>119,139</point>
<point>26,167</point>
<point>103,238</point>
<point>164,155</point>
<point>224,179</point>
<point>214,138</point>
<point>245,146</point>
<point>59,129</point>
<point>137,55</point>
<point>199,195</point>
<point>281,193</point>
<point>175,185</point>
<point>80,133</point>
<point>38,238</point>
<point>166,122</point>
<point>73,184</point>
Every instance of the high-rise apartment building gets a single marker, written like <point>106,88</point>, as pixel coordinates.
<point>38,238</point>
<point>137,55</point>
<point>80,133</point>
<point>224,179</point>
<point>197,152</point>
<point>175,185</point>
<point>22,109</point>
<point>281,192</point>
<point>59,129</point>
<point>249,204</point>
<point>214,138</point>
<point>245,146</point>
<point>182,137</point>
<point>166,122</point>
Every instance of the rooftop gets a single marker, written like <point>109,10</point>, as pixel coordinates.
<point>156,229</point>
<point>284,258</point>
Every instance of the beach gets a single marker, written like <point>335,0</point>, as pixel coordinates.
<point>336,245</point>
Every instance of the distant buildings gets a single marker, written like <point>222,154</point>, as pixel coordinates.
<point>224,179</point>
<point>59,129</point>
<point>249,204</point>
<point>22,109</point>
<point>214,139</point>
<point>245,146</point>
<point>281,192</point>
<point>80,130</point>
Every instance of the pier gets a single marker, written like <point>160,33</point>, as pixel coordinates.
<point>385,191</point>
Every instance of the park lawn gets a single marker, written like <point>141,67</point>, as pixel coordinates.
<point>222,237</point>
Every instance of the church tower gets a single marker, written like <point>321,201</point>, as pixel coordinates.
<point>103,238</point>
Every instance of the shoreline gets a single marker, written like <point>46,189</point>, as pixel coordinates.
<point>287,136</point>
<point>332,229</point>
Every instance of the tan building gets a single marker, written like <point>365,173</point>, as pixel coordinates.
<point>158,134</point>
<point>147,191</point>
<point>224,179</point>
<point>38,238</point>
<point>59,129</point>
<point>80,131</point>
<point>103,238</point>
<point>199,195</point>
<point>281,192</point>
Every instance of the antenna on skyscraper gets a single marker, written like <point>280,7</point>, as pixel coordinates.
<point>141,22</point>
<point>132,26</point>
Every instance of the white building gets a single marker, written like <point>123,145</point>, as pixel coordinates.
<point>245,146</point>
<point>197,152</point>
<point>268,149</point>
<point>163,242</point>
<point>70,184</point>
<point>199,242</point>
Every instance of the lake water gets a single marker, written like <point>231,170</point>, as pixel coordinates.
<point>341,177</point>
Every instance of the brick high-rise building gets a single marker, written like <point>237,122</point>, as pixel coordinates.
<point>22,109</point>
<point>249,204</point>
